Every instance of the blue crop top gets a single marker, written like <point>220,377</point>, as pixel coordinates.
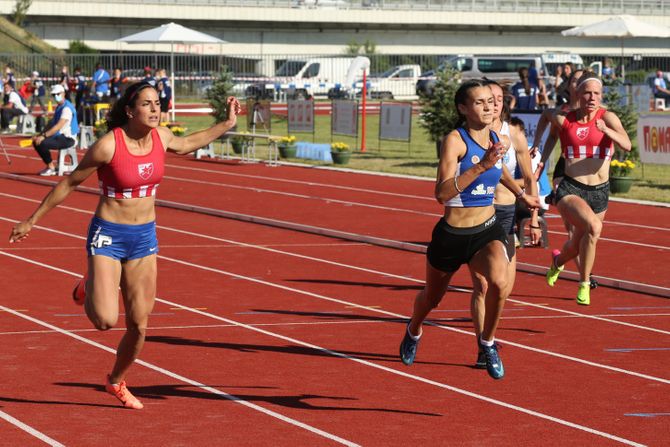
<point>480,192</point>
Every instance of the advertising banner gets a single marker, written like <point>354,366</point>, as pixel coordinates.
<point>653,138</point>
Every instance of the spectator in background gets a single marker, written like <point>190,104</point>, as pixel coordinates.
<point>164,94</point>
<point>660,88</point>
<point>537,81</point>
<point>116,85</point>
<point>12,106</point>
<point>26,90</point>
<point>78,85</point>
<point>64,80</point>
<point>38,92</point>
<point>525,94</point>
<point>9,77</point>
<point>100,83</point>
<point>61,131</point>
<point>149,77</point>
<point>608,72</point>
<point>558,80</point>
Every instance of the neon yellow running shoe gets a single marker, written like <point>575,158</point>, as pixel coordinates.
<point>584,293</point>
<point>554,270</point>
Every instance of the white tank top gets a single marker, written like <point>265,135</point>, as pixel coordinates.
<point>509,159</point>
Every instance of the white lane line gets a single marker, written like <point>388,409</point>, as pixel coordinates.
<point>203,326</point>
<point>303,196</point>
<point>619,241</point>
<point>28,429</point>
<point>305,183</point>
<point>317,348</point>
<point>346,303</point>
<point>179,377</point>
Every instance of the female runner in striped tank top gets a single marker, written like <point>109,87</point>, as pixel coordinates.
<point>469,169</point>
<point>122,243</point>
<point>587,135</point>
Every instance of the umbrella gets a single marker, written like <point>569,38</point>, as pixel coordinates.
<point>620,26</point>
<point>171,33</point>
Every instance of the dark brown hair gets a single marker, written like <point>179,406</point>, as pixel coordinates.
<point>117,116</point>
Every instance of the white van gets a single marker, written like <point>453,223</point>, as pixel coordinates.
<point>303,78</point>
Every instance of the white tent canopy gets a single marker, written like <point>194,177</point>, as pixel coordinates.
<point>171,33</point>
<point>623,26</point>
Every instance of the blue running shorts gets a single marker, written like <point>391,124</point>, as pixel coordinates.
<point>120,241</point>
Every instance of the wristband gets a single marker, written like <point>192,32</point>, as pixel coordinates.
<point>536,227</point>
<point>522,192</point>
<point>456,186</point>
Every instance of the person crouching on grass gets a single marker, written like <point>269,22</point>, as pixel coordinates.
<point>121,244</point>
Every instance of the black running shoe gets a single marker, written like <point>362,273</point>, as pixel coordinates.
<point>592,282</point>
<point>481,360</point>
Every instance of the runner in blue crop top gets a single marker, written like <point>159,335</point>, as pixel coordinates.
<point>470,164</point>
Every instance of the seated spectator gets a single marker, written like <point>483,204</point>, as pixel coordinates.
<point>660,88</point>
<point>61,131</point>
<point>38,92</point>
<point>12,106</point>
<point>525,94</point>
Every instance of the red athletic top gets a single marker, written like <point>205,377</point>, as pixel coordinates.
<point>584,140</point>
<point>130,176</point>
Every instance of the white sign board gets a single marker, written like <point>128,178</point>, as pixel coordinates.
<point>395,122</point>
<point>653,138</point>
<point>530,121</point>
<point>344,120</point>
<point>301,116</point>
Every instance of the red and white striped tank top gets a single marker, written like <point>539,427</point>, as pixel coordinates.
<point>584,140</point>
<point>130,176</point>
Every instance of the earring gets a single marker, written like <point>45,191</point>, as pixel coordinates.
<point>130,115</point>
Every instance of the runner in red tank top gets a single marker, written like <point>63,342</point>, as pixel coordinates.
<point>587,135</point>
<point>122,242</point>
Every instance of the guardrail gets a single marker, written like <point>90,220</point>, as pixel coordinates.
<point>564,6</point>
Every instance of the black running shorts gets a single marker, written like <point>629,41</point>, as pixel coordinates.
<point>596,196</point>
<point>451,247</point>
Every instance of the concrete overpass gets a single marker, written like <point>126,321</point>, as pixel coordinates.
<point>265,27</point>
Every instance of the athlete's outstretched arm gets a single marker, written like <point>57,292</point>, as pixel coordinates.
<point>194,141</point>
<point>99,154</point>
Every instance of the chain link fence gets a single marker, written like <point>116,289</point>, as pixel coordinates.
<point>194,73</point>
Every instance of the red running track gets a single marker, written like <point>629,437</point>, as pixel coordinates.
<point>307,328</point>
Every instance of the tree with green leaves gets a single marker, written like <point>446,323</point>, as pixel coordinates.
<point>21,8</point>
<point>438,111</point>
<point>221,89</point>
<point>621,107</point>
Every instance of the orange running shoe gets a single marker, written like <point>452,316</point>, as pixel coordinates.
<point>121,392</point>
<point>79,292</point>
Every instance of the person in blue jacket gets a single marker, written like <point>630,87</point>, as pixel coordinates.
<point>101,83</point>
<point>61,131</point>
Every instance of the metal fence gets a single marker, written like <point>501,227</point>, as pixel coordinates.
<point>564,6</point>
<point>194,73</point>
